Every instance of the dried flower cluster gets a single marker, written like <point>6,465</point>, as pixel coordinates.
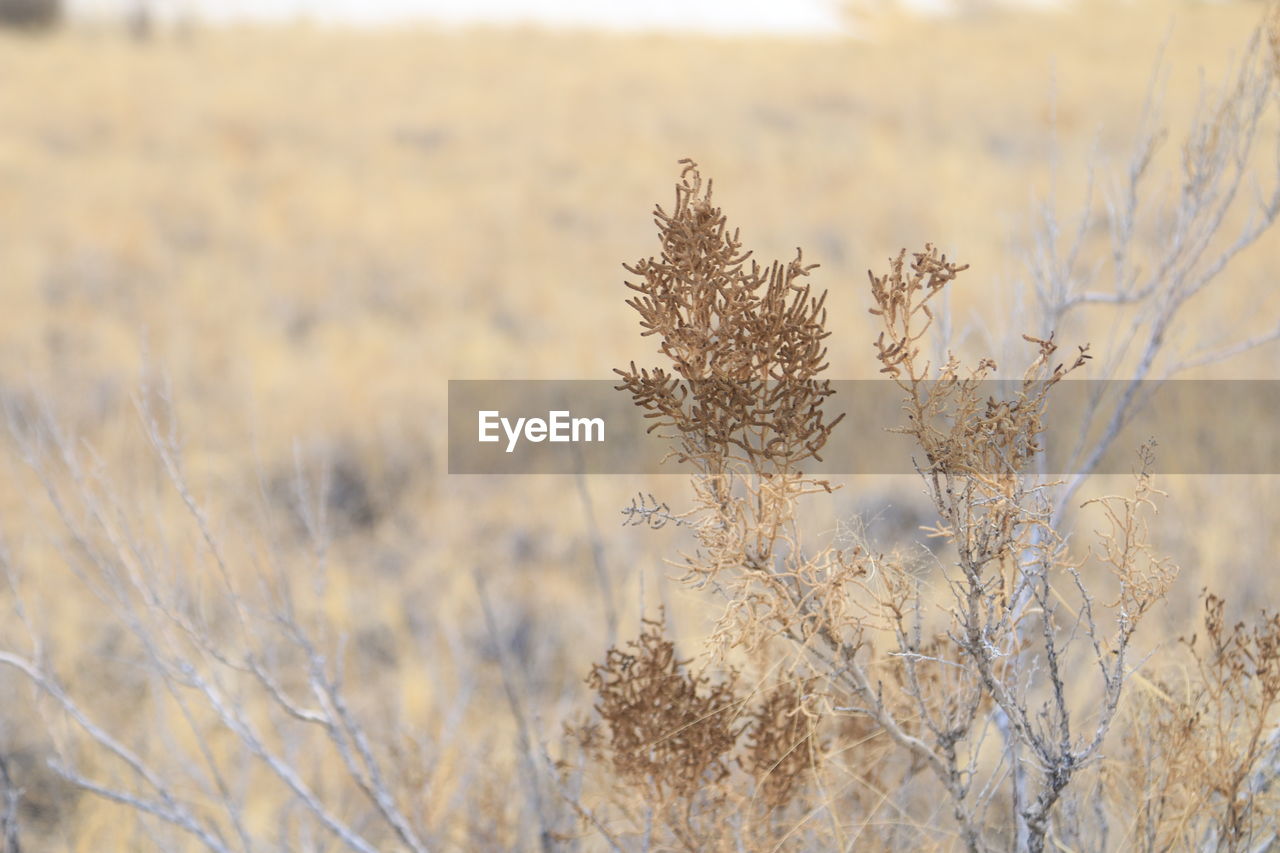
<point>958,429</point>
<point>745,342</point>
<point>691,750</point>
<point>669,730</point>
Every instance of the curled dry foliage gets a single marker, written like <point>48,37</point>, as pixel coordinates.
<point>745,342</point>
<point>1143,575</point>
<point>958,429</point>
<point>670,730</point>
<point>692,750</point>
<point>743,407</point>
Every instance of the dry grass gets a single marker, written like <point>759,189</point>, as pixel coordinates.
<point>309,231</point>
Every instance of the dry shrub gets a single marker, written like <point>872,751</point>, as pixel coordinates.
<point>1202,749</point>
<point>939,670</point>
<point>694,761</point>
<point>743,409</point>
<point>744,340</point>
<point>670,731</point>
<point>893,705</point>
<point>960,430</point>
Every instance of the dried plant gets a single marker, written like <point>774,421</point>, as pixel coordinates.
<point>670,731</point>
<point>1202,747</point>
<point>959,431</point>
<point>694,761</point>
<point>998,672</point>
<point>744,409</point>
<point>1163,252</point>
<point>1014,568</point>
<point>745,343</point>
<point>256,676</point>
<point>782,743</point>
<point>851,695</point>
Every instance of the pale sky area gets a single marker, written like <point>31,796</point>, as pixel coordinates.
<point>725,17</point>
<point>795,17</point>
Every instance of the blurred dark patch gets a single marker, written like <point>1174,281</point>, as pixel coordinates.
<point>896,524</point>
<point>140,22</point>
<point>349,498</point>
<point>509,323</point>
<point>345,503</point>
<point>299,324</point>
<point>46,800</point>
<point>831,247</point>
<point>515,640</point>
<point>526,546</point>
<point>377,645</point>
<point>337,491</point>
<point>422,138</point>
<point>837,103</point>
<point>774,117</point>
<point>30,15</point>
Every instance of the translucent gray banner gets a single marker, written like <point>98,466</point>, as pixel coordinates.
<point>587,426</point>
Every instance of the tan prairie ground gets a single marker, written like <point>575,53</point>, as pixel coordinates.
<point>237,268</point>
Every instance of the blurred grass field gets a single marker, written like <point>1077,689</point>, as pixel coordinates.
<point>309,231</point>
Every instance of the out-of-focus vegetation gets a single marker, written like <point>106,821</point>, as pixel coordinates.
<point>302,234</point>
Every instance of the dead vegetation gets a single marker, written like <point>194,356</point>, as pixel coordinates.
<point>857,627</point>
<point>966,682</point>
<point>1199,762</point>
<point>991,693</point>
